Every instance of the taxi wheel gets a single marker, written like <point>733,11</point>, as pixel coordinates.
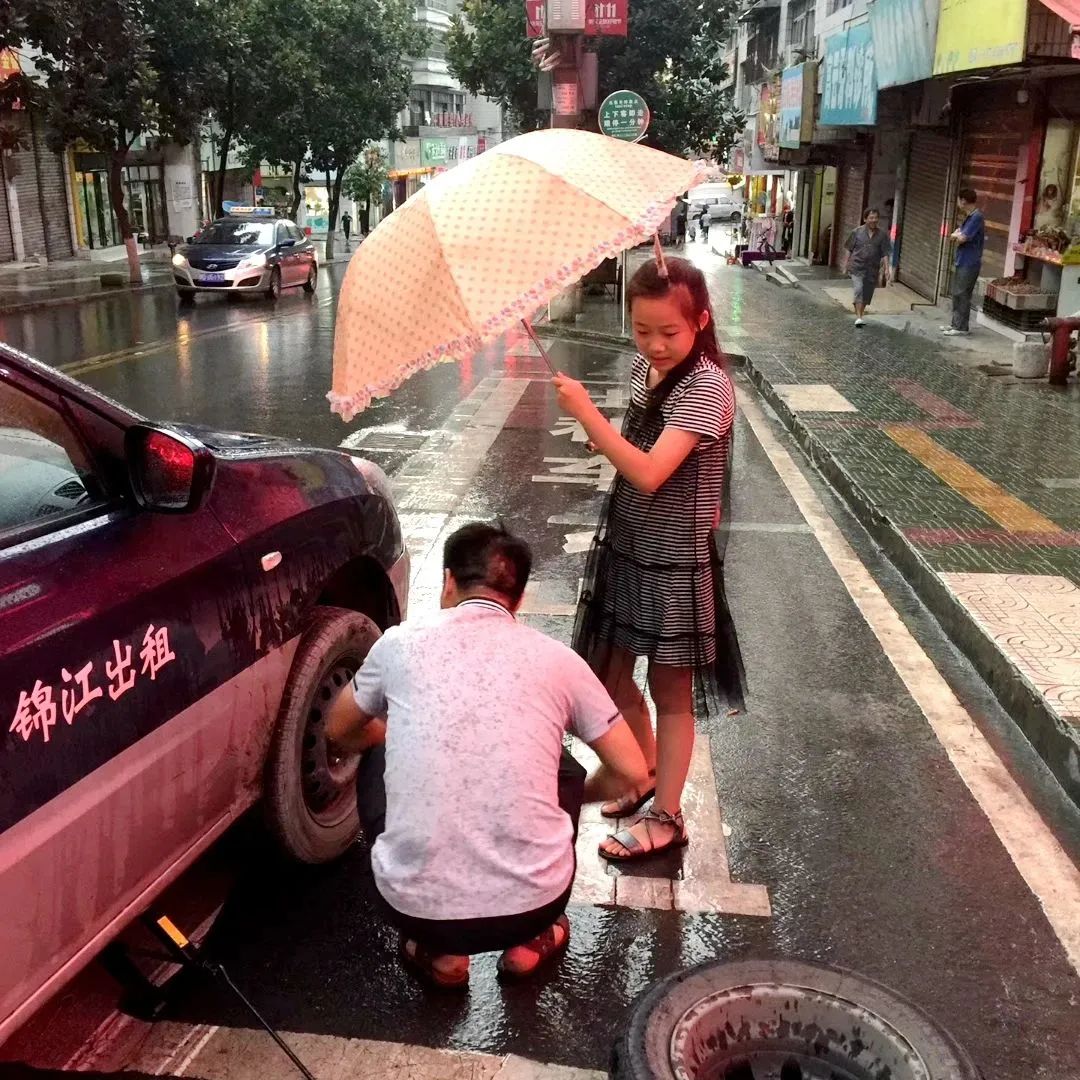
<point>310,795</point>
<point>312,279</point>
<point>186,296</point>
<point>273,290</point>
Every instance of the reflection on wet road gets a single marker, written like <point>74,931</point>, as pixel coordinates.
<point>836,797</point>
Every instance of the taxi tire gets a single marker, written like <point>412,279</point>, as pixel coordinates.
<point>186,296</point>
<point>273,290</point>
<point>335,634</point>
<point>312,280</point>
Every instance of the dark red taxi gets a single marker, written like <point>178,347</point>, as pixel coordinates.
<point>177,606</point>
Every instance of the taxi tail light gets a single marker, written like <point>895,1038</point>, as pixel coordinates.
<point>170,472</point>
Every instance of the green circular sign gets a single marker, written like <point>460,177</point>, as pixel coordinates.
<point>624,115</point>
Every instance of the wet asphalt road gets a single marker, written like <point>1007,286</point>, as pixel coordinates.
<point>838,795</point>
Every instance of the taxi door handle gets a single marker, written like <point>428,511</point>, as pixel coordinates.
<point>271,561</point>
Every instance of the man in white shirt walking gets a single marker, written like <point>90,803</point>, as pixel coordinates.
<point>465,789</point>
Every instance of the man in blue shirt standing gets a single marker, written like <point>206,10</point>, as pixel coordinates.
<point>970,239</point>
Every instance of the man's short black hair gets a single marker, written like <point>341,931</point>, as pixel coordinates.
<point>489,557</point>
<point>870,210</point>
<point>968,194</point>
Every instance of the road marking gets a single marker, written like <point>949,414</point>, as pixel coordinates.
<point>595,472</point>
<point>813,397</point>
<point>1007,510</point>
<point>1033,848</point>
<point>1061,482</point>
<point>227,1053</point>
<point>183,337</point>
<point>704,884</point>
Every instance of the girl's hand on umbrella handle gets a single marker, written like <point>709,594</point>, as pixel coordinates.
<point>573,397</point>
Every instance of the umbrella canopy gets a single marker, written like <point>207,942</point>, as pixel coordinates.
<point>488,243</point>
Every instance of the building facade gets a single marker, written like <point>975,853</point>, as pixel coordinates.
<point>898,104</point>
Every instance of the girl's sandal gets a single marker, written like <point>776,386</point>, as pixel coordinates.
<point>545,945</point>
<point>423,963</point>
<point>635,849</point>
<point>629,803</point>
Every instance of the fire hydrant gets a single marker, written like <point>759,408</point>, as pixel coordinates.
<point>1061,329</point>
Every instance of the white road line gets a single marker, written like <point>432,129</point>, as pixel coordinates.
<point>1032,846</point>
<point>705,885</point>
<point>248,1052</point>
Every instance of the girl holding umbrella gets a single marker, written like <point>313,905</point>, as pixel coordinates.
<point>654,578</point>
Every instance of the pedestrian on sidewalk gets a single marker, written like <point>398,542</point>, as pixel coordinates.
<point>464,789</point>
<point>346,227</point>
<point>869,254</point>
<point>654,577</point>
<point>970,239</point>
<point>704,221</point>
<point>679,215</point>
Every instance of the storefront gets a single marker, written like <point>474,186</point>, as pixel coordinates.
<point>145,192</point>
<point>1044,249</point>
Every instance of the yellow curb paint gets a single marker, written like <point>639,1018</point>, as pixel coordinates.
<point>1008,511</point>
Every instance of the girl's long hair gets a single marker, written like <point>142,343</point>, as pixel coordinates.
<point>686,284</point>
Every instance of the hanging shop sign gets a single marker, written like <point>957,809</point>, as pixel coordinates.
<point>768,119</point>
<point>624,115</point>
<point>980,33</point>
<point>904,33</point>
<point>797,106</point>
<point>849,89</point>
<point>603,18</point>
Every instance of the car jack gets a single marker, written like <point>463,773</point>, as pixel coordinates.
<point>188,955</point>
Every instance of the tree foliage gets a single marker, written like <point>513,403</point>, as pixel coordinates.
<point>362,83</point>
<point>364,180</point>
<point>673,57</point>
<point>489,55</point>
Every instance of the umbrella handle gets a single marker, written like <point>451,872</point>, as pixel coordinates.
<point>539,344</point>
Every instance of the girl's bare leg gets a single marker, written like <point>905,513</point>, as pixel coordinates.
<point>618,679</point>
<point>672,689</point>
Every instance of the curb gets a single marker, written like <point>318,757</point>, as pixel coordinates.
<point>574,333</point>
<point>84,298</point>
<point>1048,733</point>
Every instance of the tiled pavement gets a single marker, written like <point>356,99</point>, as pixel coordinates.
<point>970,482</point>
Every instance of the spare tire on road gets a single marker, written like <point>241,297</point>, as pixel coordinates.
<point>782,1020</point>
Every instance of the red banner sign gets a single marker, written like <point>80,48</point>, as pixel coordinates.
<point>603,18</point>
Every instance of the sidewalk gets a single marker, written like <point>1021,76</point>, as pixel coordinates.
<point>968,478</point>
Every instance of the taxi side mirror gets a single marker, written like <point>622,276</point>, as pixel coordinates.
<point>170,473</point>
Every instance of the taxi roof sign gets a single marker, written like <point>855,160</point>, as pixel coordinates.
<point>252,211</point>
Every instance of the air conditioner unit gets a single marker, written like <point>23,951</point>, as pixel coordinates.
<point>566,16</point>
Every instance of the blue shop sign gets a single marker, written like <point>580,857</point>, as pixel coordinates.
<point>849,93</point>
<point>904,33</point>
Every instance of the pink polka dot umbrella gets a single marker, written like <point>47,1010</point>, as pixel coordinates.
<point>485,245</point>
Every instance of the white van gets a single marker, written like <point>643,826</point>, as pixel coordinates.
<point>724,202</point>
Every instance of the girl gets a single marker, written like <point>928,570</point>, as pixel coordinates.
<point>654,582</point>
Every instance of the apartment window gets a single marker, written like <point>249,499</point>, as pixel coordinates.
<point>838,5</point>
<point>801,26</point>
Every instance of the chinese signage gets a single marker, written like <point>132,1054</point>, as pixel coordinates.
<point>904,32</point>
<point>849,91</point>
<point>797,106</point>
<point>624,115</point>
<point>980,33</point>
<point>40,707</point>
<point>603,18</point>
<point>452,120</point>
<point>433,152</point>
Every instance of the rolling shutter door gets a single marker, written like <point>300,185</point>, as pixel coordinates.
<point>924,212</point>
<point>852,196</point>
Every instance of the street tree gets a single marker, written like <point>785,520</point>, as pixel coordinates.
<point>489,55</point>
<point>673,57</point>
<point>364,180</point>
<point>276,88</point>
<point>103,82</point>
<point>109,73</point>
<point>362,83</point>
